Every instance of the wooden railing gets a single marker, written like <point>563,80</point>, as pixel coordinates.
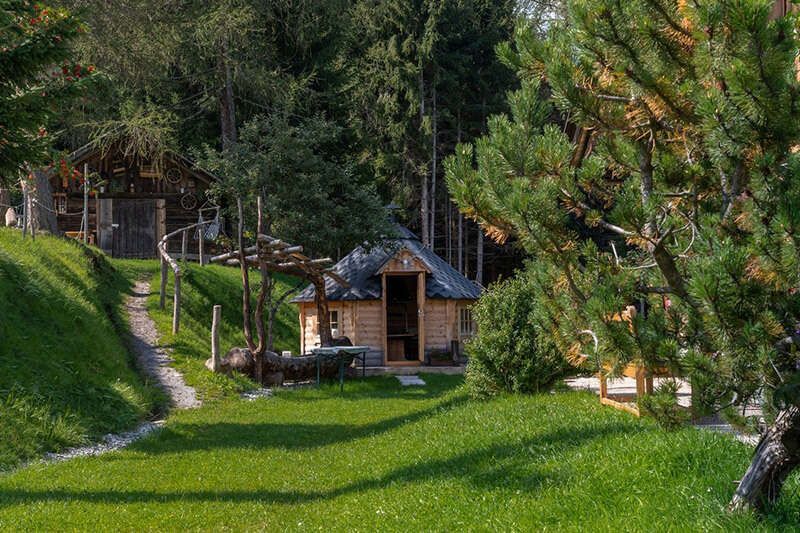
<point>167,261</point>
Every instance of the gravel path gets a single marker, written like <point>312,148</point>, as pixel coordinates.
<point>153,360</point>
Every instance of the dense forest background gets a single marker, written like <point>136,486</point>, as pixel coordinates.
<point>377,93</point>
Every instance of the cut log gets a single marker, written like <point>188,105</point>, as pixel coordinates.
<point>302,368</point>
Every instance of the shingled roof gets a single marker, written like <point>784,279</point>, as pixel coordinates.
<point>361,269</point>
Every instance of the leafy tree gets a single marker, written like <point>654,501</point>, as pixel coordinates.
<point>677,194</point>
<point>284,174</point>
<point>36,77</point>
<point>214,65</point>
<point>310,195</point>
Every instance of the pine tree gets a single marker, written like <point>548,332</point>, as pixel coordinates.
<point>35,79</point>
<point>677,194</point>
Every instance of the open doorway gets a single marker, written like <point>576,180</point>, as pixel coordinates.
<point>402,319</point>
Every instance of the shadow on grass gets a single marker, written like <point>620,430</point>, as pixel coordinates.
<point>510,466</point>
<point>181,438</point>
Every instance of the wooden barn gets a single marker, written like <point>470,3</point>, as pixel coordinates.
<point>133,201</point>
<point>404,302</point>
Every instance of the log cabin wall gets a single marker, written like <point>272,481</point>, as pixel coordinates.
<point>359,320</point>
<point>362,322</point>
<point>176,188</point>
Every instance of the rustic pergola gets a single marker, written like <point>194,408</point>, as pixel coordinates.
<point>275,255</point>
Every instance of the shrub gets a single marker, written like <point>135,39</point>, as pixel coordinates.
<point>663,406</point>
<point>510,352</point>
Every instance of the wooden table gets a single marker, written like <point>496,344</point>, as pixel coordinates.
<point>343,355</point>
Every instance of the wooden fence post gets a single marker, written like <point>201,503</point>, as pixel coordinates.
<point>163,291</point>
<point>215,320</point>
<point>176,305</point>
<point>201,244</point>
<point>184,244</point>
<point>25,212</point>
<point>86,203</point>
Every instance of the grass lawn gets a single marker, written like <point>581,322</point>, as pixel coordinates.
<point>382,457</point>
<point>65,373</point>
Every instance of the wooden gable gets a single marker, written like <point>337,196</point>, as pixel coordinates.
<point>404,261</point>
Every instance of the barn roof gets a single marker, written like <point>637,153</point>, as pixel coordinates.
<point>361,269</point>
<point>88,150</point>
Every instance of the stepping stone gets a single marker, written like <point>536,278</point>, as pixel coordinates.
<point>410,380</point>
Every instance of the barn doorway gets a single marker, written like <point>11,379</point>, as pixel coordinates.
<point>402,319</point>
<point>134,235</point>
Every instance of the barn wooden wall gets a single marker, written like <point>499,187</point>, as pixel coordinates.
<point>128,178</point>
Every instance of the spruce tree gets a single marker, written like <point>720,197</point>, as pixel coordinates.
<point>672,186</point>
<point>422,76</point>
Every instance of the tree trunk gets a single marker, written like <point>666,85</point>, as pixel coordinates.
<point>460,251</point>
<point>479,258</point>
<point>323,316</point>
<point>777,455</point>
<point>433,167</point>
<point>300,368</point>
<point>277,368</point>
<point>5,201</point>
<point>449,235</point>
<point>424,214</point>
<point>41,215</point>
<point>227,106</point>
<point>246,319</point>
<point>463,244</point>
<point>263,291</point>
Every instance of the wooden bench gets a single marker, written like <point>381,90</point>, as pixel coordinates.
<point>79,236</point>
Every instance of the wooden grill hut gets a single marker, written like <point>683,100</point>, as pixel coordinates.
<point>404,302</point>
<point>137,202</point>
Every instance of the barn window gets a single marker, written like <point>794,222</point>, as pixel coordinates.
<point>466,325</point>
<point>60,201</point>
<point>334,319</point>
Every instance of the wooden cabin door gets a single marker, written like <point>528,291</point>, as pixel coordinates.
<point>134,229</point>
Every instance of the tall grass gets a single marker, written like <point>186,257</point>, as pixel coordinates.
<point>65,372</point>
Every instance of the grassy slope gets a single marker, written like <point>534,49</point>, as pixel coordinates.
<point>381,457</point>
<point>202,288</point>
<point>65,373</point>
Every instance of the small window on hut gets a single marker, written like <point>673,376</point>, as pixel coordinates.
<point>466,325</point>
<point>334,319</point>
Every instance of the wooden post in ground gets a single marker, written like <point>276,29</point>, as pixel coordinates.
<point>86,203</point>
<point>184,244</point>
<point>640,382</point>
<point>176,304</point>
<point>163,290</point>
<point>603,385</point>
<point>25,212</point>
<point>215,321</point>
<point>200,245</point>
